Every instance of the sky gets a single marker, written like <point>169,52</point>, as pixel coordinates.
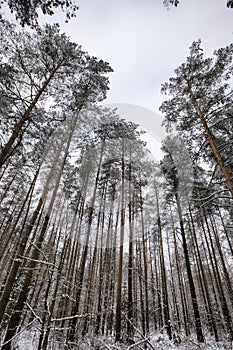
<point>144,42</point>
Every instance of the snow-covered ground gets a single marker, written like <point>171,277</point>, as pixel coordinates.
<point>28,341</point>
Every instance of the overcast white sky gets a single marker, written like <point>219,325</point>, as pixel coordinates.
<point>144,42</point>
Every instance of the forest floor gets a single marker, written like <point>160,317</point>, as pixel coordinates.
<point>156,342</point>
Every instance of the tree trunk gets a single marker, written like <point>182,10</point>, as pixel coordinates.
<point>166,310</point>
<point>130,264</point>
<point>6,150</point>
<point>198,326</point>
<point>220,288</point>
<point>17,262</point>
<point>214,147</point>
<point>145,265</point>
<point>121,253</point>
<point>71,333</point>
<point>15,317</point>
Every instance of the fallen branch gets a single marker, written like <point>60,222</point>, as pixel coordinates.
<point>71,317</point>
<point>77,316</point>
<point>33,312</point>
<point>197,344</point>
<point>146,340</point>
<point>21,331</point>
<point>106,346</point>
<point>41,262</point>
<point>138,343</point>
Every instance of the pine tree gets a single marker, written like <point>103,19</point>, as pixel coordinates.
<point>201,101</point>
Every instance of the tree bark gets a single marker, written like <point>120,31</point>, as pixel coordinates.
<point>198,326</point>
<point>214,147</point>
<point>121,253</point>
<point>166,310</point>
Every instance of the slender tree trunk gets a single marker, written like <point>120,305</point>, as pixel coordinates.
<point>15,317</point>
<point>43,343</point>
<point>103,268</point>
<point>71,333</point>
<point>49,301</point>
<point>202,275</point>
<point>112,293</point>
<point>159,307</point>
<point>184,320</point>
<point>166,310</point>
<point>198,326</point>
<point>130,264</point>
<point>221,291</point>
<point>121,253</point>
<point>176,312</point>
<point>153,283</point>
<point>3,196</point>
<point>181,288</point>
<point>74,252</point>
<point>230,241</point>
<point>100,281</point>
<point>72,257</point>
<point>13,228</point>
<point>222,259</point>
<point>214,280</point>
<point>18,128</point>
<point>141,294</point>
<point>213,145</point>
<point>109,273</point>
<point>21,249</point>
<point>144,264</point>
<point>9,213</point>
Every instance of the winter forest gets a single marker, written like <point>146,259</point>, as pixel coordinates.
<point>102,247</point>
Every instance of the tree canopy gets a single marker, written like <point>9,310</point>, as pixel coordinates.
<point>200,103</point>
<point>176,3</point>
<point>26,11</point>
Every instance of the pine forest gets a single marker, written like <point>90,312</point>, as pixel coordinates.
<point>101,246</point>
